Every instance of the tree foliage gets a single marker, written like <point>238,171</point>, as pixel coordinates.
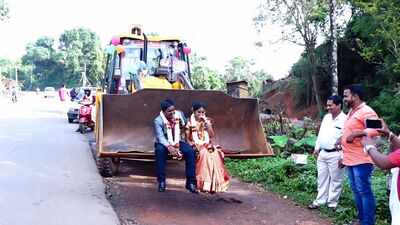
<point>42,57</point>
<point>52,65</point>
<point>378,25</point>
<point>304,21</point>
<point>204,77</point>
<point>5,66</point>
<point>387,105</point>
<point>240,68</point>
<point>4,10</point>
<point>81,49</point>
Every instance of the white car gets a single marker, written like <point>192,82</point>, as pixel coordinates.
<point>49,92</point>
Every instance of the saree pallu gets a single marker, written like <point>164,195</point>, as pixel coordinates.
<point>211,173</point>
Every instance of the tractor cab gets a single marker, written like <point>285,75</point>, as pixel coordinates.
<point>138,60</point>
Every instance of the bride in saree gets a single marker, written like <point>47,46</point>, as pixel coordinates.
<point>211,173</point>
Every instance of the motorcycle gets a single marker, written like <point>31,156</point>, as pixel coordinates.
<point>85,117</point>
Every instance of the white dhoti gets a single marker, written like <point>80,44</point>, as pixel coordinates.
<point>330,178</point>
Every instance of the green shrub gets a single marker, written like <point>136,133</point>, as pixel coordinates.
<point>387,105</point>
<point>299,183</point>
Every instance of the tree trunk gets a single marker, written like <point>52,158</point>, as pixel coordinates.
<point>333,37</point>
<point>307,87</point>
<point>311,57</point>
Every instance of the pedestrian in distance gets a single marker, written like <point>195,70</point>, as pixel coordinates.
<point>62,92</point>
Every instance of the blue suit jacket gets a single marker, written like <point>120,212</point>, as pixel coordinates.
<point>160,130</point>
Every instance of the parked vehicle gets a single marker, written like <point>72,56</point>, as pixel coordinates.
<point>73,111</point>
<point>85,117</point>
<point>49,92</point>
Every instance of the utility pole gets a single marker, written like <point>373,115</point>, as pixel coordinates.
<point>16,75</point>
<point>31,79</point>
<point>84,78</point>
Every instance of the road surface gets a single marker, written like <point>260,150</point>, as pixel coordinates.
<point>135,198</point>
<point>47,173</point>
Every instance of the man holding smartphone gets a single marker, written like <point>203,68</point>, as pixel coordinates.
<point>330,174</point>
<point>386,162</point>
<point>359,164</point>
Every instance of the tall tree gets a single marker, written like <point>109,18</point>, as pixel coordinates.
<point>303,20</point>
<point>79,51</point>
<point>204,77</point>
<point>4,10</point>
<point>333,40</point>
<point>45,63</point>
<point>256,85</point>
<point>240,68</point>
<point>5,67</point>
<point>82,52</point>
<point>378,27</point>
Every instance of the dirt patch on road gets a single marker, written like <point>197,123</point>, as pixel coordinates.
<point>135,199</point>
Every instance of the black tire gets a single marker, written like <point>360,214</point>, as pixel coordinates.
<point>70,120</point>
<point>108,167</point>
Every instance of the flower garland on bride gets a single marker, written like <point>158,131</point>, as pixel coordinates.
<point>199,134</point>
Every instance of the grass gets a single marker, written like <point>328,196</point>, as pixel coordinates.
<point>299,183</point>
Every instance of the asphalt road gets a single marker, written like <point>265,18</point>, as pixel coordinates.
<point>47,173</point>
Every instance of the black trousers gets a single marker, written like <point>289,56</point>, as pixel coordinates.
<point>188,155</point>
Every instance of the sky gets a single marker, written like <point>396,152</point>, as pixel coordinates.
<point>217,29</point>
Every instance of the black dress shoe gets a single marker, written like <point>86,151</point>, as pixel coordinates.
<point>192,188</point>
<point>161,186</point>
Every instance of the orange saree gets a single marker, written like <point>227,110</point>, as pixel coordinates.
<point>211,173</point>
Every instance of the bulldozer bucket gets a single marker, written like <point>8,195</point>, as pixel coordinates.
<point>125,122</point>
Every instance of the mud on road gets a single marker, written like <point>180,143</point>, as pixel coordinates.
<point>133,194</point>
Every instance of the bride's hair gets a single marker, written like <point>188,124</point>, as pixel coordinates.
<point>197,105</point>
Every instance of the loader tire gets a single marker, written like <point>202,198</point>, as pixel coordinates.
<point>108,167</point>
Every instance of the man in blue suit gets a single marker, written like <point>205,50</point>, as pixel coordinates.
<point>168,130</point>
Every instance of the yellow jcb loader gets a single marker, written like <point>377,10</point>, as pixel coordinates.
<point>133,88</point>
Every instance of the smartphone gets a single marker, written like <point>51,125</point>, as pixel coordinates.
<point>373,123</point>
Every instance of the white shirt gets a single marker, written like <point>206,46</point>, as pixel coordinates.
<point>331,129</point>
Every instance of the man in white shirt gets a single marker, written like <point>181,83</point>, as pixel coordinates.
<point>330,171</point>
